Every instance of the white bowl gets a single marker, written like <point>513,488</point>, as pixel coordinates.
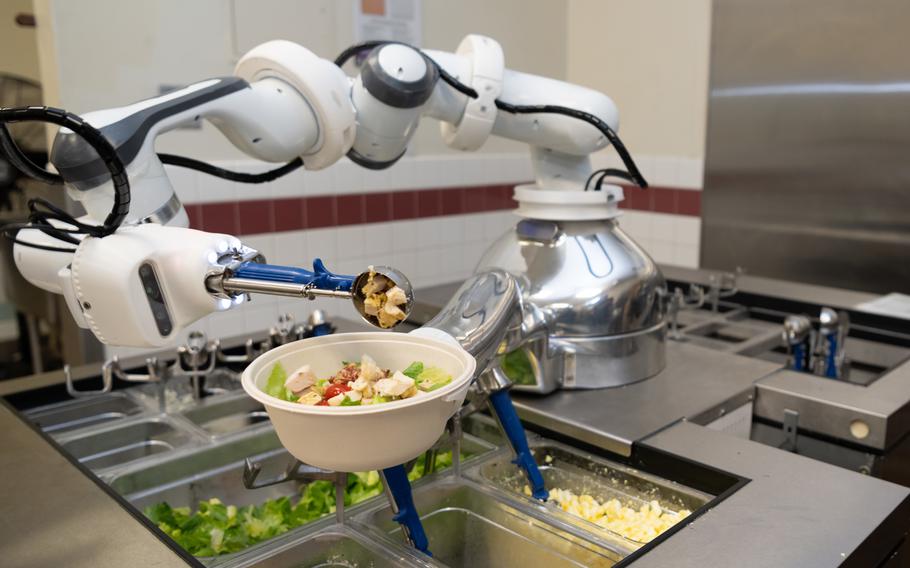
<point>362,438</point>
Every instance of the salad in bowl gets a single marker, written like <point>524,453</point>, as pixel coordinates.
<point>356,383</point>
<point>361,401</point>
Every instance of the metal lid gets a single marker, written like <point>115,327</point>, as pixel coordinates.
<point>588,278</point>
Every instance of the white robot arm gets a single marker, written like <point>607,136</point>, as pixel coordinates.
<point>153,277</point>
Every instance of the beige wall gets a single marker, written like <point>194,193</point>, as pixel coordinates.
<point>111,52</point>
<point>651,57</point>
<point>18,48</point>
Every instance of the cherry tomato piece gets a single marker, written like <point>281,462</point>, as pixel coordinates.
<point>334,390</point>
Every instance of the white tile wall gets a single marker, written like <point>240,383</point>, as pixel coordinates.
<point>669,239</point>
<point>429,251</point>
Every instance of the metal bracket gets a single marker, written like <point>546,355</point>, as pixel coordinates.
<point>693,299</point>
<point>723,285</point>
<point>250,353</point>
<point>790,428</point>
<point>299,471</point>
<point>107,382</point>
<point>157,372</point>
<point>196,360</point>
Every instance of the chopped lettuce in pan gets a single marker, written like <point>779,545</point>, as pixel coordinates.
<point>215,528</point>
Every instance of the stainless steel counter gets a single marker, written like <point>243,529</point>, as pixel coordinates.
<point>837,298</point>
<point>878,413</point>
<point>52,514</point>
<point>697,384</point>
<point>794,512</point>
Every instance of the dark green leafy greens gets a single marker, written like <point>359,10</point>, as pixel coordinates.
<point>413,370</point>
<point>274,386</point>
<point>215,528</point>
<point>517,366</point>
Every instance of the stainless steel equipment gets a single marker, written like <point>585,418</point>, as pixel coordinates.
<point>128,441</point>
<point>807,142</point>
<point>578,303</point>
<point>569,469</point>
<point>331,547</point>
<point>470,527</point>
<point>710,376</point>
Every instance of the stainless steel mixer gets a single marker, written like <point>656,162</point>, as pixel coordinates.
<point>579,304</point>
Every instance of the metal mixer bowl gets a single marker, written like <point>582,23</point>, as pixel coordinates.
<point>596,293</point>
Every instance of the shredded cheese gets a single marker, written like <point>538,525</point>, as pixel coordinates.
<point>642,525</point>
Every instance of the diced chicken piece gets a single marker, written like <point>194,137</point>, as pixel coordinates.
<point>300,380</point>
<point>390,315</point>
<point>396,296</point>
<point>311,398</point>
<point>372,304</point>
<point>369,370</point>
<point>375,285</point>
<point>395,386</point>
<point>393,311</point>
<point>363,386</point>
<point>337,399</point>
<point>353,395</point>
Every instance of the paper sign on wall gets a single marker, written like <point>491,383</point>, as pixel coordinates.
<point>394,20</point>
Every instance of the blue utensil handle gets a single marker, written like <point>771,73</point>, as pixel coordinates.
<point>321,329</point>
<point>397,479</point>
<point>320,277</point>
<point>505,411</point>
<point>799,357</point>
<point>831,357</point>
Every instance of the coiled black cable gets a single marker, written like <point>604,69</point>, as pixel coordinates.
<point>22,162</point>
<point>41,211</point>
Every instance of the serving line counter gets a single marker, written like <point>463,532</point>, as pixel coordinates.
<point>682,433</point>
<point>55,514</point>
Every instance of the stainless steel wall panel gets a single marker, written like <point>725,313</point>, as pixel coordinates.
<point>808,143</point>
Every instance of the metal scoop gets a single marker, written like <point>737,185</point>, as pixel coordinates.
<point>392,277</point>
<point>292,281</point>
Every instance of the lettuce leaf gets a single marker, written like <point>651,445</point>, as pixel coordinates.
<point>274,386</point>
<point>432,378</point>
<point>413,370</point>
<point>215,528</point>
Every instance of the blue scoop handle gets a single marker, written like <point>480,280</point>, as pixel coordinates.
<point>515,432</point>
<point>799,357</point>
<point>397,479</point>
<point>320,277</point>
<point>831,357</point>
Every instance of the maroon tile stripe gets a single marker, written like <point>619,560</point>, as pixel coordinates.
<point>251,217</point>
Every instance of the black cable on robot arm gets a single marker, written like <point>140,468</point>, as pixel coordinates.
<point>595,121</point>
<point>98,142</point>
<point>242,177</point>
<point>604,173</point>
<point>633,173</point>
<point>22,162</point>
<point>42,212</point>
<point>353,50</point>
